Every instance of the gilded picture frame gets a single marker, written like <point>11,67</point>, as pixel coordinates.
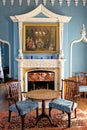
<point>40,38</point>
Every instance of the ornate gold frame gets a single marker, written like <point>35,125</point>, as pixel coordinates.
<point>40,38</point>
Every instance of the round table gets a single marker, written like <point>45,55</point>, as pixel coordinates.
<point>43,95</point>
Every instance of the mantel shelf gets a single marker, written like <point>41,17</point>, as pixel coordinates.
<point>41,63</point>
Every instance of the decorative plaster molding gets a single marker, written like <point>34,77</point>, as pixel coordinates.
<point>41,63</point>
<point>36,1</point>
<point>4,2</point>
<point>52,2</point>
<point>45,2</point>
<point>28,2</point>
<point>50,16</point>
<point>20,2</point>
<point>12,2</point>
<point>60,2</point>
<point>68,2</point>
<point>9,46</point>
<point>84,39</point>
<point>84,2</point>
<point>20,55</point>
<point>76,2</point>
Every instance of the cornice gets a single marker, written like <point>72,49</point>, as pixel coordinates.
<point>36,2</point>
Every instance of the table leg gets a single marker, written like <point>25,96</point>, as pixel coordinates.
<point>43,114</point>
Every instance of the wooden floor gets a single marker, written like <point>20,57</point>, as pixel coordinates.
<point>83,104</point>
<point>3,98</point>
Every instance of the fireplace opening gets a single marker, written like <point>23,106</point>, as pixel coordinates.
<point>40,79</point>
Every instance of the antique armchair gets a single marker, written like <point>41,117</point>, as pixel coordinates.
<point>69,102</point>
<point>17,105</point>
<point>82,78</point>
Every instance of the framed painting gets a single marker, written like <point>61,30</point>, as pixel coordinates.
<point>40,38</point>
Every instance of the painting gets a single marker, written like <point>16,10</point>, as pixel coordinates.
<point>40,38</point>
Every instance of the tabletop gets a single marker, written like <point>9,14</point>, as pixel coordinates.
<point>43,94</point>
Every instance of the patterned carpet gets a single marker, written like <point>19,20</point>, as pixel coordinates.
<point>57,118</point>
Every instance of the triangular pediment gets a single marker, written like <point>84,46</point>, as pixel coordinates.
<point>41,15</point>
<point>38,13</point>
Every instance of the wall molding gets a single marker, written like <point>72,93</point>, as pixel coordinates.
<point>9,46</point>
<point>83,39</point>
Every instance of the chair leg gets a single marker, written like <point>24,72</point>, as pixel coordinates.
<point>75,113</point>
<point>22,120</point>
<point>69,119</point>
<point>37,112</point>
<point>50,108</point>
<point>9,116</point>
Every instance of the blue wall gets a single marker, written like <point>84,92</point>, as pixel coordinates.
<point>72,31</point>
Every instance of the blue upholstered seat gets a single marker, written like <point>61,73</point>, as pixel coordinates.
<point>82,88</point>
<point>81,77</point>
<point>63,105</point>
<point>24,106</point>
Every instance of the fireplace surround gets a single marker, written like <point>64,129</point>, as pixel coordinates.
<point>28,65</point>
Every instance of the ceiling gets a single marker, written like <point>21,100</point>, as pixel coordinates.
<point>68,2</point>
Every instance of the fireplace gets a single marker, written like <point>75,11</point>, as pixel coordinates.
<point>40,79</point>
<point>53,66</point>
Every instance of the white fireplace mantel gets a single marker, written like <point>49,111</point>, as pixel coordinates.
<point>34,64</point>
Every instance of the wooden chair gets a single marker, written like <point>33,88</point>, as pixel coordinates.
<point>82,78</point>
<point>17,105</point>
<point>69,102</point>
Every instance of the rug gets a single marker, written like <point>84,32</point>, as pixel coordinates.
<point>57,118</point>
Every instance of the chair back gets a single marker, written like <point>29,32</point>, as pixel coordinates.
<point>15,91</point>
<point>81,77</point>
<point>70,88</point>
